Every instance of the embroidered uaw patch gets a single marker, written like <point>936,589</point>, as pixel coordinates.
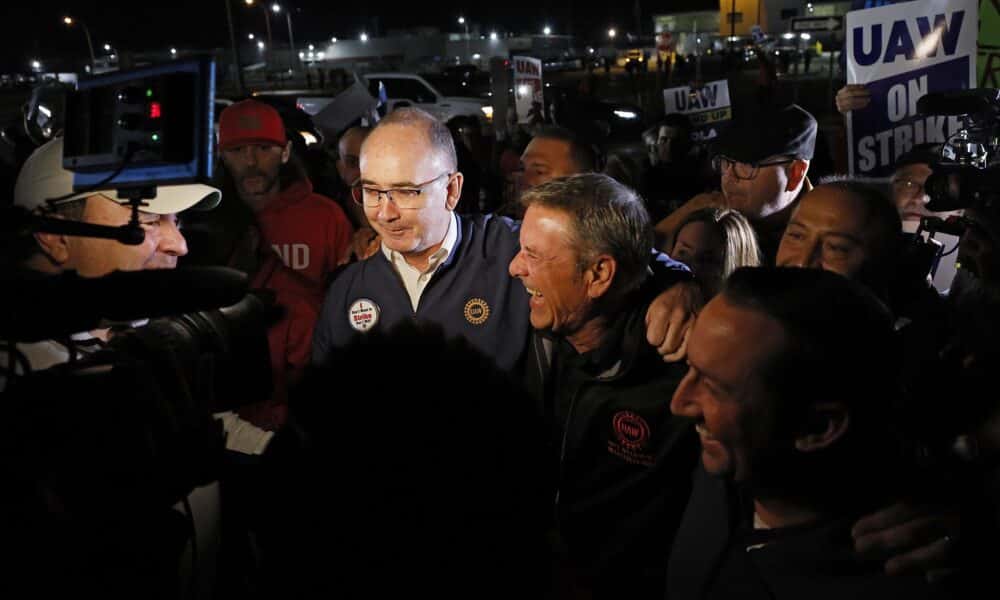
<point>631,436</point>
<point>477,311</point>
<point>363,314</point>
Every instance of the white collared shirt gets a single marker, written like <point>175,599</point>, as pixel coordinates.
<point>415,280</point>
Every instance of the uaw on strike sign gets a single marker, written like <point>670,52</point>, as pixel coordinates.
<point>902,52</point>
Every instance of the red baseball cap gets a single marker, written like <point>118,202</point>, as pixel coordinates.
<point>250,122</point>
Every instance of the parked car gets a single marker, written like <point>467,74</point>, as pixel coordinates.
<point>409,89</point>
<point>469,84</point>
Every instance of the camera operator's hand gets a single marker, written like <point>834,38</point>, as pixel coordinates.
<point>912,539</point>
<point>853,96</point>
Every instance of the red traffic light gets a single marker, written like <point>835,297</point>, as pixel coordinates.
<point>155,110</point>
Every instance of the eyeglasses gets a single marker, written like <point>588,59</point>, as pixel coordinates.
<point>404,198</point>
<point>743,170</point>
<point>907,188</point>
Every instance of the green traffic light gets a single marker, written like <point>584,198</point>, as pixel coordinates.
<point>149,92</point>
<point>156,137</point>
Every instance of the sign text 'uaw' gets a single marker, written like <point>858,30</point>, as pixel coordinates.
<point>901,53</point>
<point>707,106</point>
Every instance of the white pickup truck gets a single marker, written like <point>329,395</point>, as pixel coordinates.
<point>408,89</point>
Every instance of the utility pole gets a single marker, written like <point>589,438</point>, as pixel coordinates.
<point>236,51</point>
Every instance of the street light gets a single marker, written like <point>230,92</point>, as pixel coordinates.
<point>260,45</point>
<point>70,21</point>
<point>547,30</point>
<point>364,37</point>
<point>288,19</point>
<point>311,47</point>
<point>462,21</point>
<point>333,40</point>
<point>612,33</point>
<point>249,36</point>
<point>35,65</point>
<point>267,19</point>
<point>173,52</point>
<point>107,47</point>
<point>493,36</point>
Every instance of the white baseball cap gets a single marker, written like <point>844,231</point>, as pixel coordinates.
<point>43,177</point>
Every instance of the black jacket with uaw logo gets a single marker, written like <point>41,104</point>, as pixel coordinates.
<point>623,461</point>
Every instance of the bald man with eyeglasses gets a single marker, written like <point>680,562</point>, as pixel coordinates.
<point>436,267</point>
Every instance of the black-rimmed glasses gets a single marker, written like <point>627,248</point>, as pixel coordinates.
<point>407,198</point>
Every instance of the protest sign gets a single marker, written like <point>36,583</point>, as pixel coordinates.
<point>708,107</point>
<point>901,53</point>
<point>528,93</point>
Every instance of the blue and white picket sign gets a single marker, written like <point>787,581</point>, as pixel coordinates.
<point>708,107</point>
<point>902,52</point>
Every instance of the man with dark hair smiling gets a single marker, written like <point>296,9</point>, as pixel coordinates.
<point>848,227</point>
<point>794,393</point>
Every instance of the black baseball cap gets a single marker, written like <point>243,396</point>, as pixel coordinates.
<point>929,154</point>
<point>788,131</point>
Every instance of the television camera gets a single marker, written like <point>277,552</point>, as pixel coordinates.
<point>107,439</point>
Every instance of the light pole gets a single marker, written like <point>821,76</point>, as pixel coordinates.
<point>235,48</point>
<point>732,28</point>
<point>288,19</point>
<point>267,22</point>
<point>70,21</point>
<point>468,51</point>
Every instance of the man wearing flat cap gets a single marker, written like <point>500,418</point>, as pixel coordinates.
<point>763,160</point>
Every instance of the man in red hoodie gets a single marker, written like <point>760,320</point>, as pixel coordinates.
<point>309,234</point>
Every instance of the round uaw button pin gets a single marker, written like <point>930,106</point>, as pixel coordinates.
<point>363,314</point>
<point>477,311</point>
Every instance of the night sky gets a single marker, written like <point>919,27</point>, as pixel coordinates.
<point>34,28</point>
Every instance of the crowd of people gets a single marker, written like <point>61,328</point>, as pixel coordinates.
<point>705,376</point>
